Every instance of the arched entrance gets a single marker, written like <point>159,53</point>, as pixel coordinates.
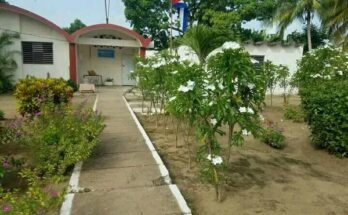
<point>104,52</point>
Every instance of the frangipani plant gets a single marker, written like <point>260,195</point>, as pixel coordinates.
<point>239,92</point>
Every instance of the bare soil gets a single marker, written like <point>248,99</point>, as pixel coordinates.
<point>299,179</point>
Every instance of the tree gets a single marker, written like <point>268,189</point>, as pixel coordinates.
<point>335,16</point>
<point>3,1</point>
<point>203,40</point>
<point>318,37</point>
<point>270,70</point>
<point>7,63</point>
<point>291,10</point>
<point>74,26</point>
<point>151,17</point>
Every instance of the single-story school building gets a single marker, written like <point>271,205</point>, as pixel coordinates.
<point>103,51</point>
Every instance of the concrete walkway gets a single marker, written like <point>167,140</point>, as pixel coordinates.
<point>123,174</point>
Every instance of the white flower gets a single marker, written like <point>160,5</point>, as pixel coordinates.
<point>174,72</point>
<point>245,132</point>
<point>230,45</point>
<point>205,81</point>
<point>250,110</point>
<point>172,98</point>
<point>242,109</point>
<point>316,76</point>
<point>215,160</point>
<point>183,88</point>
<point>210,87</point>
<point>235,89</point>
<point>211,103</point>
<point>246,110</point>
<point>235,80</point>
<point>190,83</point>
<point>340,72</point>
<point>221,86</point>
<point>213,121</point>
<point>251,86</point>
<point>328,77</point>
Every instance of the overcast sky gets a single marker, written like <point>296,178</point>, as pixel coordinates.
<point>63,12</point>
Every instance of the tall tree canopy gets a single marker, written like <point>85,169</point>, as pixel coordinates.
<point>335,16</point>
<point>291,10</point>
<point>151,19</point>
<point>319,36</point>
<point>74,26</point>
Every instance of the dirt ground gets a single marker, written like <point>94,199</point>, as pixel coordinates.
<point>261,180</point>
<point>9,106</point>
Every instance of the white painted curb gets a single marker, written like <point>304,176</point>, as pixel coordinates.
<point>74,180</point>
<point>163,169</point>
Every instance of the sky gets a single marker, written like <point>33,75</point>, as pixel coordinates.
<point>63,12</point>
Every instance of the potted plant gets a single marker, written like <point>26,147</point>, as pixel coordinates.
<point>109,82</point>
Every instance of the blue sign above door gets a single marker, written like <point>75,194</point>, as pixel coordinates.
<point>106,53</point>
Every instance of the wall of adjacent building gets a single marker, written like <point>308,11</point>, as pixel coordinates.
<point>277,54</point>
<point>34,31</point>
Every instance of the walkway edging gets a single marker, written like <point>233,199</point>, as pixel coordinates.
<point>74,180</point>
<point>163,169</point>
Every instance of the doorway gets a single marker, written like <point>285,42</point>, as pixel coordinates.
<point>127,68</point>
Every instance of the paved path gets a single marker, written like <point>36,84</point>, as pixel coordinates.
<point>122,173</point>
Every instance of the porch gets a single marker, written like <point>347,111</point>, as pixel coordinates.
<point>106,52</point>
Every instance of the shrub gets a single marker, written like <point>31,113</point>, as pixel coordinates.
<point>325,107</point>
<point>294,113</point>
<point>2,115</point>
<point>39,198</point>
<point>323,86</point>
<point>32,92</point>
<point>72,84</point>
<point>273,136</point>
<point>60,136</point>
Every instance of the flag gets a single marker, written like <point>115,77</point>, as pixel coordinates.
<point>183,11</point>
<point>174,2</point>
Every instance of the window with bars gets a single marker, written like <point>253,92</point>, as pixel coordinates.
<point>37,52</point>
<point>260,60</point>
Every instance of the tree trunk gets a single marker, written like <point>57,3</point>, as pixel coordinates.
<point>309,26</point>
<point>230,136</point>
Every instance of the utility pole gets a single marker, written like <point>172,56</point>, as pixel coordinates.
<point>171,27</point>
<point>107,11</point>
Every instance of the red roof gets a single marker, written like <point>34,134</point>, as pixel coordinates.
<point>72,38</point>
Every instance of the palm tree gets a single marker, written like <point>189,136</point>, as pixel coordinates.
<point>203,40</point>
<point>7,63</point>
<point>291,10</point>
<point>335,16</point>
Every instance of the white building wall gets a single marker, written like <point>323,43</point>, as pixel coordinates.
<point>34,31</point>
<point>277,54</point>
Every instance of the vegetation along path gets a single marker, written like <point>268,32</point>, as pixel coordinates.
<point>122,177</point>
